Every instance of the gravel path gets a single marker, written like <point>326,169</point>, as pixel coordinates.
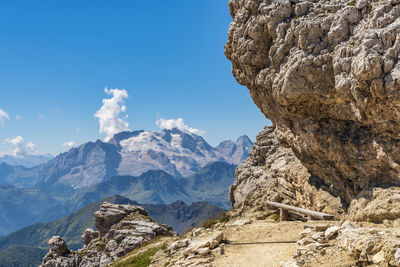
<point>265,255</point>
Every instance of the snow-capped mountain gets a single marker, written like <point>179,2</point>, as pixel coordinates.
<point>173,151</point>
<point>133,153</point>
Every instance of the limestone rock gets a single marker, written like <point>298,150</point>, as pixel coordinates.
<point>327,74</point>
<point>59,254</point>
<point>331,231</point>
<point>273,172</point>
<point>198,249</point>
<point>58,246</point>
<point>364,245</point>
<point>110,214</point>
<point>376,205</point>
<point>89,235</point>
<point>122,229</point>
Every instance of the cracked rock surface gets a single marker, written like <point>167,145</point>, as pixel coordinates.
<point>122,228</point>
<point>274,173</point>
<point>327,74</point>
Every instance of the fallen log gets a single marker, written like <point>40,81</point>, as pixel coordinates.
<point>310,213</point>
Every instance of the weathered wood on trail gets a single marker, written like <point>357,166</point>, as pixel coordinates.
<point>283,215</point>
<point>309,213</point>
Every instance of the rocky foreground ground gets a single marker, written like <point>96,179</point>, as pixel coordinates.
<point>126,234</point>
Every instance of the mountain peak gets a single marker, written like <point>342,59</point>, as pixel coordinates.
<point>236,152</point>
<point>244,139</point>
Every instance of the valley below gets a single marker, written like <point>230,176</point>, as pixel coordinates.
<point>33,208</point>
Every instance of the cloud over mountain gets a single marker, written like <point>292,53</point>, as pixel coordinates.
<point>108,115</point>
<point>69,144</point>
<point>20,148</point>
<point>3,116</point>
<point>179,124</point>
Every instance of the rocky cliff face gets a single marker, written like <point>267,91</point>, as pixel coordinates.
<point>122,228</point>
<point>272,172</point>
<point>327,74</point>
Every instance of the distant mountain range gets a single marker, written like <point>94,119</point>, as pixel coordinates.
<point>20,207</point>
<point>177,153</point>
<point>32,240</point>
<point>26,161</point>
<point>164,169</point>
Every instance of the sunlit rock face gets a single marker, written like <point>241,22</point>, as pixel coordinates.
<point>327,74</point>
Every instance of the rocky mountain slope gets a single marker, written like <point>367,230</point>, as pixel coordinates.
<point>20,207</point>
<point>23,206</point>
<point>178,215</point>
<point>273,173</point>
<point>21,256</point>
<point>17,175</point>
<point>121,229</point>
<point>209,184</point>
<point>127,237</point>
<point>126,154</point>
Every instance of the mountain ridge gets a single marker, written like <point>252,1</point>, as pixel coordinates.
<point>127,153</point>
<point>20,207</point>
<point>178,215</point>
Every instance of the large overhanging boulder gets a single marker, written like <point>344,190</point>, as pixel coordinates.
<point>327,74</point>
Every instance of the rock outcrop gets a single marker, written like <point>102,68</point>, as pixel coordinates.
<point>376,205</point>
<point>347,244</point>
<point>327,74</point>
<point>122,228</point>
<point>273,172</point>
<point>198,249</point>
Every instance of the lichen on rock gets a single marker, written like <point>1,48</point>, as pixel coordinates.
<point>327,74</point>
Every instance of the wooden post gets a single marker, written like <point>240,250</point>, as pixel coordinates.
<point>283,215</point>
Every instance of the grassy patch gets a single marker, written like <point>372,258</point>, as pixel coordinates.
<point>141,260</point>
<point>101,246</point>
<point>137,257</point>
<point>224,218</point>
<point>208,224</point>
<point>352,3</point>
<point>167,263</point>
<point>275,217</point>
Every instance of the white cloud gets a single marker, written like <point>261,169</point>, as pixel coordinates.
<point>3,116</point>
<point>41,116</point>
<point>177,123</point>
<point>18,117</point>
<point>108,114</point>
<point>69,144</point>
<point>20,149</point>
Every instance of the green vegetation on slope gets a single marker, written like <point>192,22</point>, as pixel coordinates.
<point>142,259</point>
<point>21,256</point>
<point>211,183</point>
<point>70,227</point>
<point>181,216</point>
<point>178,215</point>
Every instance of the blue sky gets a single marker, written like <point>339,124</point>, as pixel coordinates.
<point>56,58</point>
